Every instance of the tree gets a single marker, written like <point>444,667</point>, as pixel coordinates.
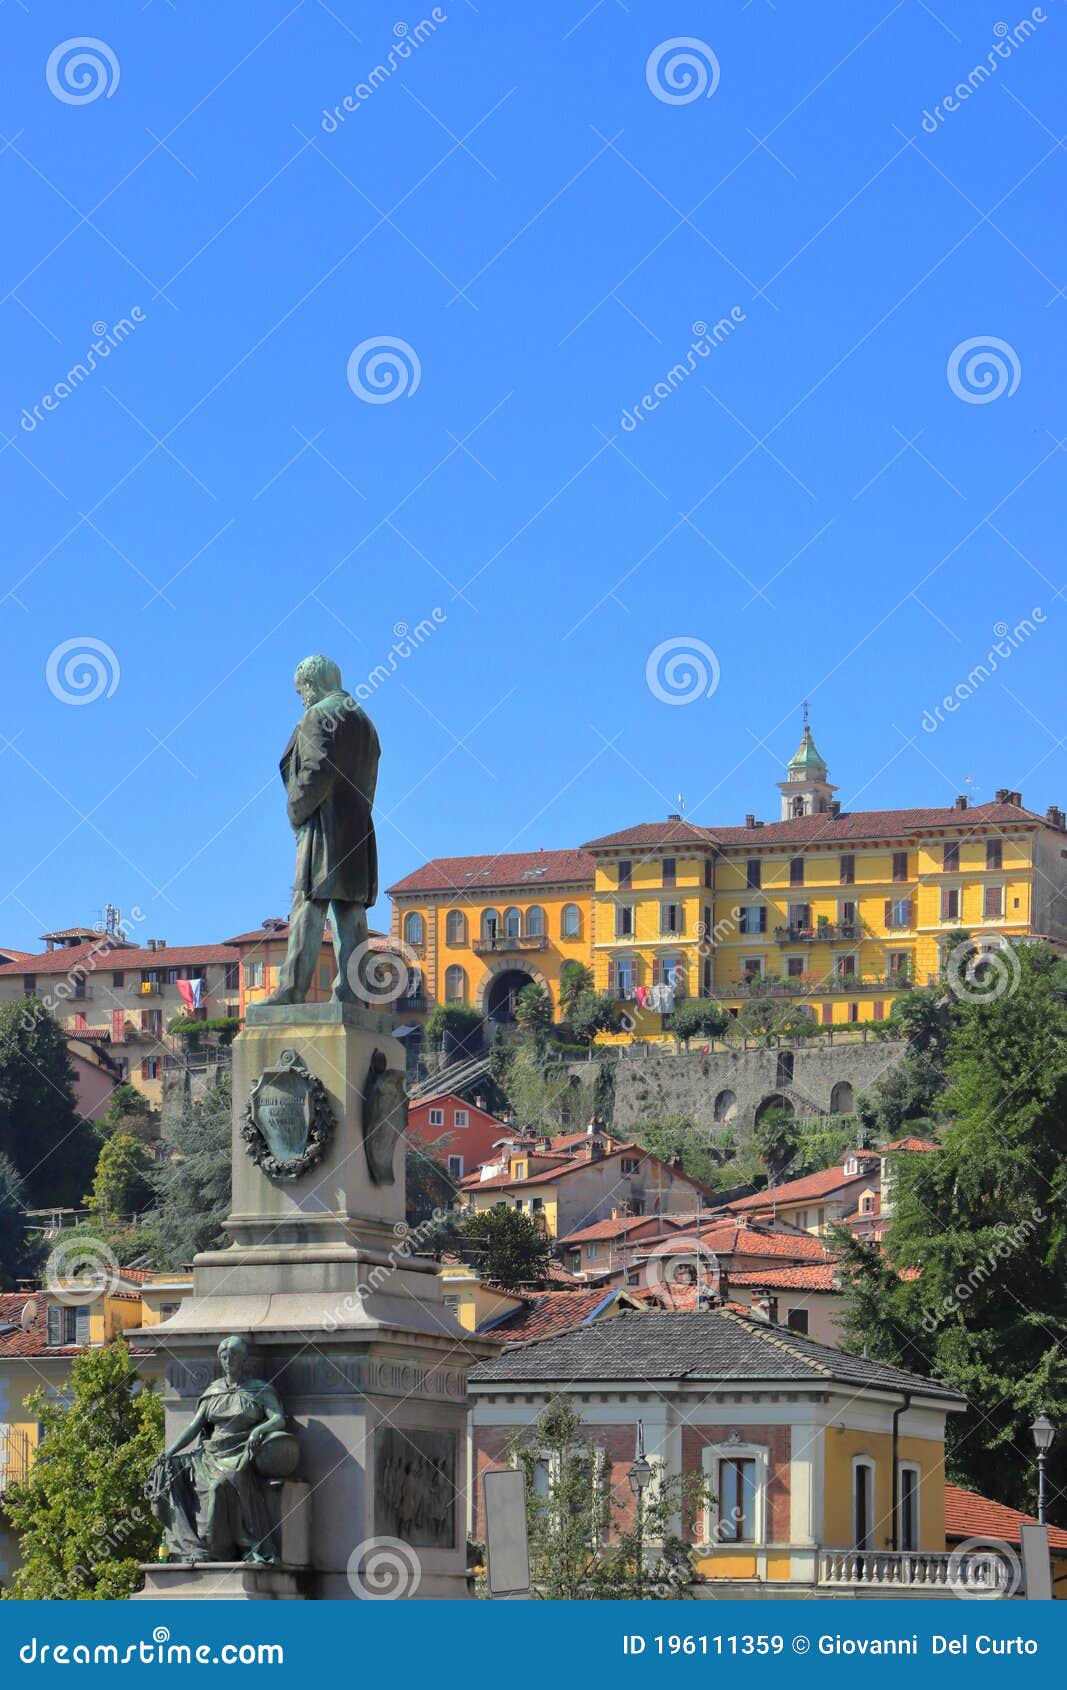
<point>770,1017</point>
<point>80,1515</point>
<point>533,1009</point>
<point>52,1146</point>
<point>593,1013</point>
<point>677,1136</point>
<point>776,1136</point>
<point>580,1549</point>
<point>574,979</point>
<point>128,1111</point>
<point>907,1096</point>
<point>981,1224</point>
<point>698,1018</point>
<point>18,1251</point>
<point>456,1027</point>
<point>121,1184</point>
<point>192,1182</point>
<point>506,1246</point>
<point>544,1095</point>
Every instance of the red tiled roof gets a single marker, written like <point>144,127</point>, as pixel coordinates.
<point>279,929</point>
<point>969,1515</point>
<point>815,1276</point>
<point>523,870</point>
<point>910,1144</point>
<point>856,824</point>
<point>98,955</point>
<point>797,1190</point>
<point>731,1237</point>
<point>615,1227</point>
<point>9,952</point>
<point>33,1342</point>
<point>572,1165</point>
<point>547,1313</point>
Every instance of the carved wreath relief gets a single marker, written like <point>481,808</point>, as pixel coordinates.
<point>287,1120</point>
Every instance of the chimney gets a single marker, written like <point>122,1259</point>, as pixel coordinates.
<point>961,802</point>
<point>750,821</point>
<point>1005,795</point>
<point>763,1307</point>
<point>835,806</point>
<point>1055,817</point>
<point>151,945</point>
<point>674,818</point>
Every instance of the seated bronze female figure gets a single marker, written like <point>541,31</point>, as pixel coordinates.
<point>209,1487</point>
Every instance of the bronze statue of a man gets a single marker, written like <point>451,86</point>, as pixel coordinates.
<point>330,770</point>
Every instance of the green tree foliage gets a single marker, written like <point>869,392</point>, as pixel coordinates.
<point>544,1095</point>
<point>574,979</point>
<point>776,1136</point>
<point>533,1009</point>
<point>984,1220</point>
<point>583,1538</point>
<point>772,1017</point>
<point>677,1136</point>
<point>19,1252</point>
<point>52,1146</point>
<point>457,1027</point>
<point>121,1184</point>
<point>506,1246</point>
<point>698,1018</point>
<point>80,1516</point>
<point>128,1111</point>
<point>593,1013</point>
<point>192,1181</point>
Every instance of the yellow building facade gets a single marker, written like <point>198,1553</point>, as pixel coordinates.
<point>832,911</point>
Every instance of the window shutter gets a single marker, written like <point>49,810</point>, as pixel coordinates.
<point>889,912</point>
<point>763,918</point>
<point>611,975</point>
<point>657,972</point>
<point>909,915</point>
<point>53,1335</point>
<point>81,1324</point>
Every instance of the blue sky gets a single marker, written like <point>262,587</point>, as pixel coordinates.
<point>829,502</point>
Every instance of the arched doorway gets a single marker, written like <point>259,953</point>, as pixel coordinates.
<point>774,1104</point>
<point>501,993</point>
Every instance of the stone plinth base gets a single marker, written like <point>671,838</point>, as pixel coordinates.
<point>221,1581</point>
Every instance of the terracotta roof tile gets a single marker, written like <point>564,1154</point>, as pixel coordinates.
<point>522,870</point>
<point>856,824</point>
<point>969,1515</point>
<point>103,957</point>
<point>614,1227</point>
<point>797,1190</point>
<point>813,1276</point>
<point>548,1312</point>
<point>910,1144</point>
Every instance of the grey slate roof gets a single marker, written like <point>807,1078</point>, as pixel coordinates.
<point>718,1346</point>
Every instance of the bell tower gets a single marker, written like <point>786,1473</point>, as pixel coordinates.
<point>806,790</point>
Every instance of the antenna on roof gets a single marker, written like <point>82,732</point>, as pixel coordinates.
<point>805,713</point>
<point>681,800</point>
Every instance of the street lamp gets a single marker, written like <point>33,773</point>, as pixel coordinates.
<point>640,1477</point>
<point>1044,1433</point>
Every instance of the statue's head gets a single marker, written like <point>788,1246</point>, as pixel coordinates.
<point>316,678</point>
<point>233,1358</point>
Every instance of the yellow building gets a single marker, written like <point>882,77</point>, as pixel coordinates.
<point>836,911</point>
<point>825,1470</point>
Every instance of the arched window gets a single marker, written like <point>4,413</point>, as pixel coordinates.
<point>570,922</point>
<point>490,924</point>
<point>455,928</point>
<point>455,984</point>
<point>535,921</point>
<point>512,923</point>
<point>725,1106</point>
<point>841,1098</point>
<point>414,928</point>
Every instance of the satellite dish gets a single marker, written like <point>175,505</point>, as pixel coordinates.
<point>28,1315</point>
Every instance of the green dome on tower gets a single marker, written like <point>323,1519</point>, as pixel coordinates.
<point>806,761</point>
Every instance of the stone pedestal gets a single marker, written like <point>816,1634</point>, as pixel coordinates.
<point>345,1319</point>
<point>222,1581</point>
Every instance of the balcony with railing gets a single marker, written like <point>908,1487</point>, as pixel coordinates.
<point>494,944</point>
<point>811,985</point>
<point>823,933</point>
<point>888,1572</point>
